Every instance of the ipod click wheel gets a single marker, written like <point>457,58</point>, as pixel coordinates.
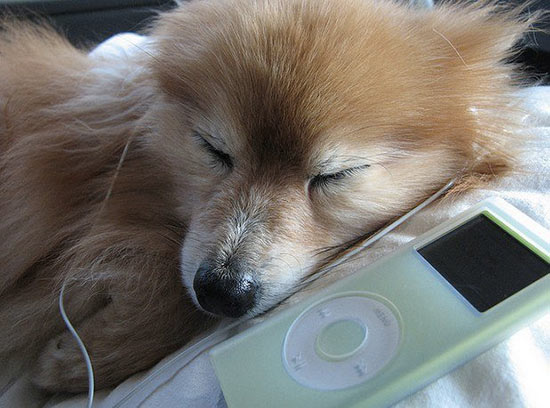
<point>397,325</point>
<point>350,336</point>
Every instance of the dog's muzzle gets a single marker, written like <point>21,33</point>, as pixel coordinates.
<point>225,292</point>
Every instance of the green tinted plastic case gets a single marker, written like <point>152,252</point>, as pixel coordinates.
<point>439,329</point>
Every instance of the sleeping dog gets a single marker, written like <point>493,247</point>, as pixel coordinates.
<point>206,174</point>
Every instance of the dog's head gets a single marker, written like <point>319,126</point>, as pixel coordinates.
<point>298,125</point>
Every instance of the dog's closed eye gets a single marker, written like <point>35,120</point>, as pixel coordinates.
<point>323,180</point>
<point>218,155</point>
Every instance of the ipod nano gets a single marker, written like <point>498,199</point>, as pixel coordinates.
<point>397,325</point>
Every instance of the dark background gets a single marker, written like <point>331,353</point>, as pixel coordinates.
<point>88,22</point>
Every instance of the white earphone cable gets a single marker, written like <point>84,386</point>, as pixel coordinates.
<point>83,350</point>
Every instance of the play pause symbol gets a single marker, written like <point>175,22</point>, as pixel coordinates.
<point>360,368</point>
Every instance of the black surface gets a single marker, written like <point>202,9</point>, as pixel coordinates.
<point>88,22</point>
<point>79,6</point>
<point>484,263</point>
<point>536,65</point>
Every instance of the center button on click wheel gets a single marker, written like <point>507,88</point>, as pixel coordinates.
<point>340,340</point>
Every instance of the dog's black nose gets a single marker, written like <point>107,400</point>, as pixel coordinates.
<point>225,292</point>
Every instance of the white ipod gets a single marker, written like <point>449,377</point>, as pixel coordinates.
<point>400,323</point>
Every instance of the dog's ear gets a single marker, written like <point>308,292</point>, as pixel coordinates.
<point>473,44</point>
<point>481,32</point>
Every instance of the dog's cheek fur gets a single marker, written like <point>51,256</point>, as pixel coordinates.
<point>361,204</point>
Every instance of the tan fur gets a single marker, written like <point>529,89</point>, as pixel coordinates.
<point>103,185</point>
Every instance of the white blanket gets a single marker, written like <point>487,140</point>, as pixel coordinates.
<point>515,373</point>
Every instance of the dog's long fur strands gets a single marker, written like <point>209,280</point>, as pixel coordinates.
<point>379,103</point>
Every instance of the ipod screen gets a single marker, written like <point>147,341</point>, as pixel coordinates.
<point>484,262</point>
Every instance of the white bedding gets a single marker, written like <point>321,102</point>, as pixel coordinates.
<point>515,373</point>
